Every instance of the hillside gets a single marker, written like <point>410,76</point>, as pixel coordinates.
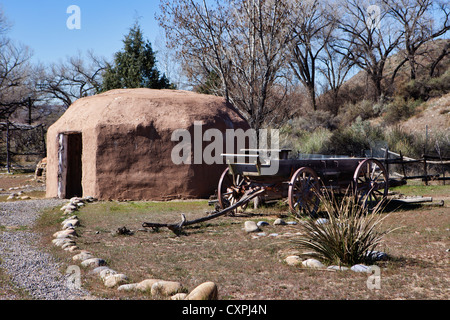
<point>435,113</point>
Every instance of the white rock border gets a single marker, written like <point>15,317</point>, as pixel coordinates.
<point>111,278</point>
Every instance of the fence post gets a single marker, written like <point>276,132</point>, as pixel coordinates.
<point>403,165</point>
<point>8,155</point>
<point>425,170</point>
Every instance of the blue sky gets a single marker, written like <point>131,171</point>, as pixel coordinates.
<point>41,25</point>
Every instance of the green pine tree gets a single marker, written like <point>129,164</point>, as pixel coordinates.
<point>134,66</point>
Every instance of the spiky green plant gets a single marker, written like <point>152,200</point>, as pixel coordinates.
<point>349,235</point>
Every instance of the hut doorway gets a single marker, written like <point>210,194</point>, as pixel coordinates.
<point>69,165</point>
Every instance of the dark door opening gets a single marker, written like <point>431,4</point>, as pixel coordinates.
<point>70,166</point>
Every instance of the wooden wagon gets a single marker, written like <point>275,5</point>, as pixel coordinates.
<point>301,180</point>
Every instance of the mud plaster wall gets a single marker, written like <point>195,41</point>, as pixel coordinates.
<point>127,143</point>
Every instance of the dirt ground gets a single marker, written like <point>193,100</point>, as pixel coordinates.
<point>246,266</point>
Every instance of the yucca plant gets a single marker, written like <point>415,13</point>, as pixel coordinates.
<point>350,234</point>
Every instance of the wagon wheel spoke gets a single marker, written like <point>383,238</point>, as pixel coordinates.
<point>370,183</point>
<point>230,191</point>
<point>302,195</point>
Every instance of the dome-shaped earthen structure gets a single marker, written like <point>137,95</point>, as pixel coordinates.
<point>118,145</point>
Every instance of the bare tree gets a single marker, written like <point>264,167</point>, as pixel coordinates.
<point>75,78</point>
<point>371,35</point>
<point>312,26</point>
<point>419,24</point>
<point>243,43</point>
<point>14,77</point>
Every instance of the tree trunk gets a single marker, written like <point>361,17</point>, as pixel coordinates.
<point>8,155</point>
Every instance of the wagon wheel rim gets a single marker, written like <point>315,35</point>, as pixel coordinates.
<point>229,192</point>
<point>303,194</point>
<point>370,183</point>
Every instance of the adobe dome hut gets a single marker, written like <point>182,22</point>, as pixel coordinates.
<point>117,145</point>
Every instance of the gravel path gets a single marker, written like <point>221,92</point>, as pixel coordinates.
<point>29,267</point>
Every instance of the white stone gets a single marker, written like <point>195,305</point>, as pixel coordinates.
<point>98,270</point>
<point>70,232</point>
<point>205,291</point>
<point>146,285</point>
<point>67,245</point>
<point>250,226</point>
<point>312,263</point>
<point>178,296</point>
<point>115,279</point>
<point>337,268</point>
<point>83,255</point>
<point>360,268</point>
<point>72,249</point>
<point>105,273</point>
<point>166,288</point>
<point>127,287</point>
<point>279,222</point>
<point>293,260</point>
<point>93,262</point>
<point>61,241</point>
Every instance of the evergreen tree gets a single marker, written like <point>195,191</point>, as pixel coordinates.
<point>134,66</point>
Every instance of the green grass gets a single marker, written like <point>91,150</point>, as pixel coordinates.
<point>421,190</point>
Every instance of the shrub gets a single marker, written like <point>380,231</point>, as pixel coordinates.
<point>315,142</point>
<point>425,89</point>
<point>400,109</point>
<point>348,142</point>
<point>362,110</point>
<point>314,120</point>
<point>349,235</point>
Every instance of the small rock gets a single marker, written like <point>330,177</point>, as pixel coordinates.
<point>146,285</point>
<point>166,288</point>
<point>273,235</point>
<point>279,222</point>
<point>262,223</point>
<point>337,268</point>
<point>205,291</point>
<point>83,255</point>
<point>25,198</point>
<point>115,279</point>
<point>250,226</point>
<point>178,296</point>
<point>261,234</point>
<point>312,263</point>
<point>293,260</point>
<point>71,207</point>
<point>74,222</point>
<point>93,262</point>
<point>360,268</point>
<point>72,249</point>
<point>98,270</point>
<point>105,273</point>
<point>59,242</point>
<point>127,287</point>
<point>292,223</point>
<point>65,233</point>
<point>66,245</point>
<point>68,225</point>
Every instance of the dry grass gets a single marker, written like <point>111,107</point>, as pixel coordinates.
<point>247,268</point>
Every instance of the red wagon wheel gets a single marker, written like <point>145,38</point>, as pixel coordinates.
<point>370,183</point>
<point>230,191</point>
<point>303,193</point>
